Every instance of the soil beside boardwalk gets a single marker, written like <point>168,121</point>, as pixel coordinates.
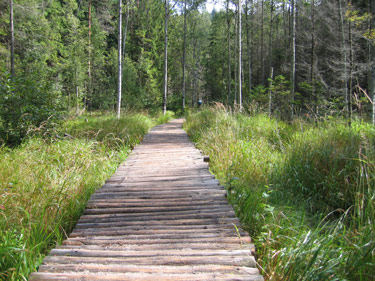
<point>161,216</point>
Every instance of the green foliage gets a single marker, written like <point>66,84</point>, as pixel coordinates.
<point>25,102</point>
<point>305,193</point>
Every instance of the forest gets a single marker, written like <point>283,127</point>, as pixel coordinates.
<point>288,111</point>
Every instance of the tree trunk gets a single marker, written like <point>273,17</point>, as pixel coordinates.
<point>11,39</point>
<point>270,95</point>
<point>271,41</point>
<point>293,58</point>
<point>229,61</point>
<point>166,16</point>
<point>343,54</point>
<point>351,60</point>
<point>235,60</point>
<point>371,74</point>
<point>248,44</point>
<point>262,45</point>
<point>89,84</point>
<point>312,70</point>
<point>77,99</point>
<point>194,96</point>
<point>119,85</point>
<point>239,55</point>
<point>125,31</point>
<point>184,60</point>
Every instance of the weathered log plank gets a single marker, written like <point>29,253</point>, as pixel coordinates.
<point>161,216</point>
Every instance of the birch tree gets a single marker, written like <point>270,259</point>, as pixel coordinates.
<point>119,85</point>
<point>239,55</point>
<point>166,17</point>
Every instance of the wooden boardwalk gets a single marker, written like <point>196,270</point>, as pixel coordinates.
<point>162,216</point>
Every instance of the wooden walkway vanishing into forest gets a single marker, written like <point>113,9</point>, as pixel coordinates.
<point>161,216</point>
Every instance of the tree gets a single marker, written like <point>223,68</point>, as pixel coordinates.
<point>239,54</point>
<point>119,87</point>
<point>12,38</point>
<point>165,93</point>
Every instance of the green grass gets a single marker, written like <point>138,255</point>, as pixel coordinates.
<point>305,192</point>
<point>46,182</point>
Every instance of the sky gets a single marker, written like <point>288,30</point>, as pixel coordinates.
<point>210,5</point>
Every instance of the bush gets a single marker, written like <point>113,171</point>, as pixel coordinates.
<point>26,102</point>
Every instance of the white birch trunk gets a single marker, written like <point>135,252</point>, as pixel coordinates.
<point>166,3</point>
<point>119,85</point>
<point>184,60</point>
<point>239,55</point>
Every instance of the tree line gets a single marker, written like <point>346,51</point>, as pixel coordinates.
<point>288,57</point>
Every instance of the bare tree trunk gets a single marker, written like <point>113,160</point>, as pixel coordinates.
<point>371,60</point>
<point>293,62</point>
<point>77,98</point>
<point>248,43</point>
<point>271,41</point>
<point>229,61</point>
<point>240,54</point>
<point>312,70</point>
<point>119,88</point>
<point>166,4</point>
<point>262,46</point>
<point>89,85</point>
<point>11,39</point>
<point>270,95</point>
<point>343,54</point>
<point>194,96</point>
<point>286,35</point>
<point>235,61</point>
<point>125,30</point>
<point>184,60</point>
<point>350,111</point>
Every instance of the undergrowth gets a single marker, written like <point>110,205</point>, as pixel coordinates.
<point>46,182</point>
<point>305,192</point>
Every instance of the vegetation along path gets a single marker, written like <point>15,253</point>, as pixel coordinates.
<point>162,216</point>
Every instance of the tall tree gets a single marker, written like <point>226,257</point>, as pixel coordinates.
<point>312,64</point>
<point>229,78</point>
<point>89,86</point>
<point>184,57</point>
<point>240,54</point>
<point>119,85</point>
<point>11,38</point>
<point>248,41</point>
<point>293,57</point>
<point>165,93</point>
<point>372,60</point>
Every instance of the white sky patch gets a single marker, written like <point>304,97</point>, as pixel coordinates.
<point>211,4</point>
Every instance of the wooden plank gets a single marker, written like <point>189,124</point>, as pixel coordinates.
<point>137,276</point>
<point>149,269</point>
<point>247,261</point>
<point>115,240</point>
<point>161,216</point>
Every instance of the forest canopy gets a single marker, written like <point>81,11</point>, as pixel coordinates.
<point>287,57</point>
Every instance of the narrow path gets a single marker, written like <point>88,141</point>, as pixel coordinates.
<point>162,216</point>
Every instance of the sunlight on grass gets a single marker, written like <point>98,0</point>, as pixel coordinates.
<point>305,192</point>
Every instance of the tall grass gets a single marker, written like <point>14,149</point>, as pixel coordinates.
<point>45,184</point>
<point>305,192</point>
